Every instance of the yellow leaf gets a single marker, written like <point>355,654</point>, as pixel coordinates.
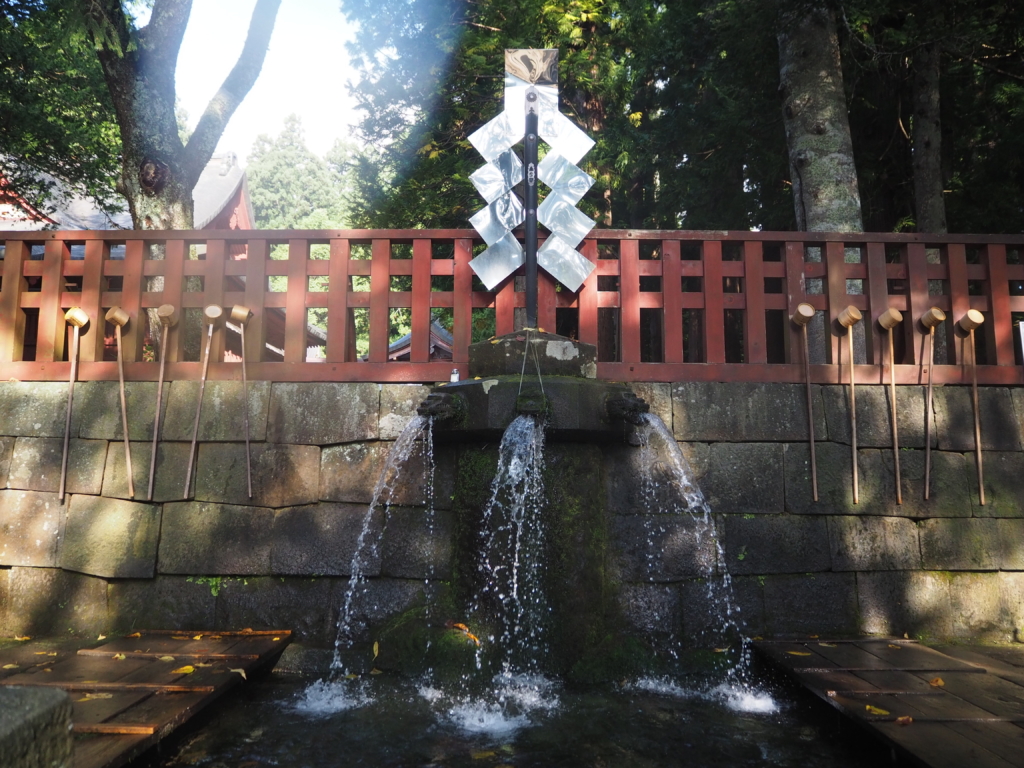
<point>10,666</point>
<point>201,664</point>
<point>40,653</point>
<point>905,720</point>
<point>178,637</point>
<point>188,669</point>
<point>47,670</point>
<point>758,638</point>
<point>375,671</point>
<point>214,637</point>
<point>721,650</point>
<point>95,696</point>
<point>275,639</point>
<point>101,637</point>
<point>875,710</point>
<point>474,638</point>
<point>23,638</point>
<point>166,658</point>
<point>241,672</point>
<point>134,634</point>
<point>119,656</point>
<point>799,653</point>
<point>828,645</point>
<point>813,637</point>
<point>484,755</point>
<point>376,649</point>
<point>896,647</point>
<point>198,637</point>
<point>351,676</point>
<point>936,682</point>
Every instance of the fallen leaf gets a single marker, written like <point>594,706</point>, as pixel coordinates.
<point>274,639</point>
<point>40,653</point>
<point>101,637</point>
<point>799,653</point>
<point>896,647</point>
<point>758,638</point>
<point>10,666</point>
<point>376,650</point>
<point>460,627</point>
<point>246,631</point>
<point>484,755</point>
<point>134,634</point>
<point>214,637</point>
<point>721,650</point>
<point>188,669</point>
<point>96,695</point>
<point>828,645</point>
<point>351,676</point>
<point>166,658</point>
<point>936,682</point>
<point>198,637</point>
<point>241,672</point>
<point>375,671</point>
<point>813,637</point>
<point>905,720</point>
<point>120,656</point>
<point>22,639</point>
<point>47,670</point>
<point>876,710</point>
<point>201,664</point>
<point>474,638</point>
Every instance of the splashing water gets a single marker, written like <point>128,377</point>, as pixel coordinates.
<point>683,492</point>
<point>416,433</point>
<point>511,547</point>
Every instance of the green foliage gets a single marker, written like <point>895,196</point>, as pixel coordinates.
<point>57,115</point>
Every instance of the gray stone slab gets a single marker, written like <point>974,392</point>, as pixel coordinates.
<point>1003,472</point>
<point>745,477</point>
<point>98,409</point>
<point>30,528</point>
<point>713,611</point>
<point>977,608</point>
<point>661,548</point>
<point>1010,555</point>
<point>223,415</point>
<point>645,480</point>
<point>954,417</point>
<point>949,493</point>
<point>275,603</point>
<point>651,609</point>
<point>33,408</point>
<point>351,473</point>
<point>811,604</point>
<point>53,602</point>
<point>321,540</point>
<point>874,419</point>
<point>898,603</point>
<point>960,544</point>
<point>112,538</point>
<point>873,543</point>
<point>184,603</point>
<point>36,464</point>
<point>169,473</point>
<point>35,727</point>
<point>282,475</point>
<point>323,413</point>
<point>417,544</point>
<point>744,412</point>
<point>398,403</point>
<point>374,602</point>
<point>759,544</point>
<point>215,539</point>
<point>6,452</point>
<point>1012,590</point>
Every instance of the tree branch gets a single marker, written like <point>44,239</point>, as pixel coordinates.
<point>166,27</point>
<point>237,84</point>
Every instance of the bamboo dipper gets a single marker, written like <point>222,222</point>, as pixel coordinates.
<point>803,315</point>
<point>241,315</point>
<point>212,313</point>
<point>968,323</point>
<point>848,318</point>
<point>119,318</point>
<point>930,320</point>
<point>889,320</point>
<point>168,315</point>
<point>77,318</point>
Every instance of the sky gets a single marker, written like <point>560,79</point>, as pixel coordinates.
<point>305,72</point>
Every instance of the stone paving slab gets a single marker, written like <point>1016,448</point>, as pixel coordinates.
<point>945,707</point>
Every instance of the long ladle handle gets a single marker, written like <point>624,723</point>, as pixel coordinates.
<point>199,409</point>
<point>124,413</point>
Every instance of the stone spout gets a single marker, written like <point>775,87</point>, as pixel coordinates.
<point>626,406</point>
<point>443,406</point>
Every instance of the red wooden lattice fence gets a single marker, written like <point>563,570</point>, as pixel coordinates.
<point>661,305</point>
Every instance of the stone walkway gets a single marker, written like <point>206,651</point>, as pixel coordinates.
<point>946,706</point>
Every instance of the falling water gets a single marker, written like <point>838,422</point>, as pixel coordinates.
<point>416,432</point>
<point>683,492</point>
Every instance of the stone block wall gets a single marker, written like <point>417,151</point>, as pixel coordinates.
<point>101,562</point>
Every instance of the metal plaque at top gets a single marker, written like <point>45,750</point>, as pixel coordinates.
<point>534,65</point>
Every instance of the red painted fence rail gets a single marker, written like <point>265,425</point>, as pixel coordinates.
<point>661,305</point>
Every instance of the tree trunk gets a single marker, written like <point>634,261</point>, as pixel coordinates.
<point>158,172</point>
<point>825,192</point>
<point>926,138</point>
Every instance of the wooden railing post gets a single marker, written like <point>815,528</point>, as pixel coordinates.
<point>629,300</point>
<point>753,288</point>
<point>419,349</point>
<point>380,287</point>
<point>174,271</point>
<point>999,333</point>
<point>92,278</point>
<point>878,300</point>
<point>835,263</point>
<point>588,297</point>
<point>462,308</point>
<point>255,299</point>
<point>960,301</point>
<point>671,288</point>
<point>714,303</point>
<point>295,302</point>
<point>213,291</point>
<point>52,329</point>
<point>12,318</point>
